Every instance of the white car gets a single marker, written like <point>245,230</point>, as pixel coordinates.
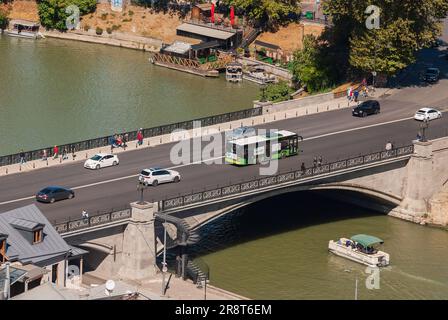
<point>101,160</point>
<point>427,114</point>
<point>154,176</point>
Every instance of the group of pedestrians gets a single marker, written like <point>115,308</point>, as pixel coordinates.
<point>119,141</point>
<point>353,94</point>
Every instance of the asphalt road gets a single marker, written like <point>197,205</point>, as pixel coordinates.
<point>333,135</point>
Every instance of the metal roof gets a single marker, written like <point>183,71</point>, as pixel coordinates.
<point>205,45</point>
<point>205,31</point>
<point>25,224</point>
<point>267,45</point>
<point>74,251</point>
<point>21,249</point>
<point>366,240</point>
<point>26,23</point>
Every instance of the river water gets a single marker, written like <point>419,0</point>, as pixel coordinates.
<point>277,249</point>
<point>58,91</point>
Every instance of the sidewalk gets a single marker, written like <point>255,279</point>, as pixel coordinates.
<point>81,156</point>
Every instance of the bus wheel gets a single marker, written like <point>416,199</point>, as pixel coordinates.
<point>283,155</point>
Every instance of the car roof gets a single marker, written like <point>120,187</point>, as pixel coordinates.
<point>55,188</point>
<point>426,109</point>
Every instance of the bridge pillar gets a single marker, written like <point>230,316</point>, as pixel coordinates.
<point>139,262</point>
<point>419,186</point>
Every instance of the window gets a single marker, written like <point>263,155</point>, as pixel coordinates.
<point>37,236</point>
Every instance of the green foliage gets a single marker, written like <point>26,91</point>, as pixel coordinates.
<point>99,31</point>
<point>52,12</point>
<point>131,13</point>
<point>3,20</point>
<point>277,92</point>
<point>311,66</point>
<point>405,27</point>
<point>269,12</point>
<point>109,30</point>
<point>104,16</point>
<point>115,27</point>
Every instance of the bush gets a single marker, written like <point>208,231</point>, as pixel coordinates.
<point>109,30</point>
<point>99,31</point>
<point>104,16</point>
<point>86,27</point>
<point>131,13</point>
<point>115,27</point>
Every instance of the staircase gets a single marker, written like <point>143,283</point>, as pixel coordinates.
<point>198,271</point>
<point>250,37</point>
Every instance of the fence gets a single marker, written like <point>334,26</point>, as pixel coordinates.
<point>96,220</point>
<point>150,132</point>
<point>295,175</point>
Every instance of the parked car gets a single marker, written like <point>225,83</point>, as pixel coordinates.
<point>241,132</point>
<point>101,160</point>
<point>366,108</point>
<point>154,176</point>
<point>54,193</point>
<point>427,114</point>
<point>431,75</point>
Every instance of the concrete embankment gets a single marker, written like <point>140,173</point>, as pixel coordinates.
<point>116,39</point>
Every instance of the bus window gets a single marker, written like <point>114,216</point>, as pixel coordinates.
<point>268,148</point>
<point>246,153</point>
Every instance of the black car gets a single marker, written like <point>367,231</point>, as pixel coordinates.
<point>54,193</point>
<point>431,75</point>
<point>366,108</point>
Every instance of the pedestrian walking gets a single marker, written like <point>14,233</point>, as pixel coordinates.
<point>303,168</point>
<point>64,154</point>
<point>73,153</point>
<point>320,161</point>
<point>85,215</point>
<point>44,155</point>
<point>389,146</point>
<point>140,137</point>
<point>356,94</point>
<point>315,162</point>
<point>22,157</point>
<point>55,152</point>
<point>125,140</point>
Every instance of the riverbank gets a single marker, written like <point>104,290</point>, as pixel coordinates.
<point>116,39</point>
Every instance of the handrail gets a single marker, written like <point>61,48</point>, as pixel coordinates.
<point>294,175</point>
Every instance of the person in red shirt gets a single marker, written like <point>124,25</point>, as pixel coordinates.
<point>55,152</point>
<point>140,137</point>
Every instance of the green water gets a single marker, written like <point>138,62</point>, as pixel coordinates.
<point>57,91</point>
<point>277,249</point>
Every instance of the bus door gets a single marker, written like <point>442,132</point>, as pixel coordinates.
<point>294,145</point>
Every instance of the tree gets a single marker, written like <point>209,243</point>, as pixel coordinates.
<point>405,27</point>
<point>52,12</point>
<point>311,67</point>
<point>269,12</point>
<point>277,92</point>
<point>3,20</point>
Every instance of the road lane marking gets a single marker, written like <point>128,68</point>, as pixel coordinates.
<point>217,158</point>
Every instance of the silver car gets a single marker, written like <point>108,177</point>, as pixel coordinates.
<point>154,176</point>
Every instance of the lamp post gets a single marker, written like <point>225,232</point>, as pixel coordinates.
<point>141,187</point>
<point>423,127</point>
<point>263,92</point>
<point>164,268</point>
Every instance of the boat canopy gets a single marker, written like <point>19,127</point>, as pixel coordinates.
<point>366,240</point>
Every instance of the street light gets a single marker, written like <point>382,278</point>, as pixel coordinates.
<point>141,187</point>
<point>423,127</point>
<point>263,92</point>
<point>164,268</point>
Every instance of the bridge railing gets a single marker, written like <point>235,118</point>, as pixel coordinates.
<point>132,135</point>
<point>294,175</point>
<point>98,219</point>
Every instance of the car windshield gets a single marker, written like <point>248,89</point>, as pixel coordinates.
<point>96,158</point>
<point>421,111</point>
<point>431,71</point>
<point>46,191</point>
<point>238,131</point>
<point>145,173</point>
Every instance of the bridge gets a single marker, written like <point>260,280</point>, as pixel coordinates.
<point>399,182</point>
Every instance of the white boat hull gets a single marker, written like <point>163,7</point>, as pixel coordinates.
<point>378,259</point>
<point>22,34</point>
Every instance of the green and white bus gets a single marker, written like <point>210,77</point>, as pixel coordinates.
<point>262,148</point>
